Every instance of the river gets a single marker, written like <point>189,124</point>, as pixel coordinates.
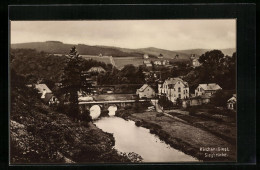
<point>130,138</point>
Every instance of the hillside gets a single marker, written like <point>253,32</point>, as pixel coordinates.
<point>38,134</point>
<point>56,47</point>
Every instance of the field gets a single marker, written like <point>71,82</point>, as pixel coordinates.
<point>122,61</point>
<point>185,136</point>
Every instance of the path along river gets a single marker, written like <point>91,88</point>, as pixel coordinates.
<point>130,138</point>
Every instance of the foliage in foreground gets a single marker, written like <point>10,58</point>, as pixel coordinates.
<point>40,135</point>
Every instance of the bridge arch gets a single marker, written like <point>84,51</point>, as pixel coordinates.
<point>112,110</point>
<point>95,111</point>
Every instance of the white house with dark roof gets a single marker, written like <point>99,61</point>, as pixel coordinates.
<point>207,89</point>
<point>145,92</point>
<point>231,103</point>
<point>174,88</point>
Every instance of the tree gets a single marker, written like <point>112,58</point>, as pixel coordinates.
<point>73,80</point>
<point>221,97</point>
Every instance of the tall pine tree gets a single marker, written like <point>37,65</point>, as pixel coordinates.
<point>74,81</point>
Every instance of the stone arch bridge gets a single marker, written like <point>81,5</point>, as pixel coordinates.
<point>104,105</point>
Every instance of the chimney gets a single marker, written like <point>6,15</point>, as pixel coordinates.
<point>43,94</point>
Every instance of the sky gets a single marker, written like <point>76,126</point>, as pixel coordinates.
<point>165,34</point>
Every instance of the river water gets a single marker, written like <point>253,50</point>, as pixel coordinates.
<point>130,138</point>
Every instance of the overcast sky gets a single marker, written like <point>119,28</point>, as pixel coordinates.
<point>165,34</point>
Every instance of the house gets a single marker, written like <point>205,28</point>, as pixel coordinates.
<point>157,63</point>
<point>96,70</point>
<point>176,56</point>
<point>148,65</point>
<point>145,92</point>
<point>165,62</point>
<point>46,94</point>
<point>174,88</point>
<point>198,100</point>
<point>160,56</point>
<point>195,62</point>
<point>42,88</point>
<point>208,89</point>
<point>231,103</point>
<point>50,99</point>
<point>146,56</point>
<point>147,62</point>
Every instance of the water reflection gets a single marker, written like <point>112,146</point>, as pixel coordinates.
<point>112,110</point>
<point>95,111</point>
<point>130,138</point>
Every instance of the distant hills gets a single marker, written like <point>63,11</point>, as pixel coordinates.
<point>57,47</point>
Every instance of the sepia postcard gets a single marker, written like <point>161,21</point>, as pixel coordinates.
<point>123,91</point>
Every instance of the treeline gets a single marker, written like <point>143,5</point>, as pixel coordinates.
<point>215,68</point>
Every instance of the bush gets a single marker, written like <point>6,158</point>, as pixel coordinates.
<point>164,102</point>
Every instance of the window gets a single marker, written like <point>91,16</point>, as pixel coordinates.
<point>183,91</point>
<point>179,95</point>
<point>179,89</point>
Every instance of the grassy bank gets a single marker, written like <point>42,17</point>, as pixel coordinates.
<point>184,136</point>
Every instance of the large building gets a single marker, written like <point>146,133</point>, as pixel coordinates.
<point>145,92</point>
<point>207,89</point>
<point>174,88</point>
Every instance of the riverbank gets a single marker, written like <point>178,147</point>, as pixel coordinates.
<point>185,137</point>
<point>40,135</point>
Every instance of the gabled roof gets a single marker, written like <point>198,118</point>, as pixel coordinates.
<point>232,100</point>
<point>40,88</point>
<point>211,86</point>
<point>175,80</point>
<point>97,69</point>
<point>143,87</point>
